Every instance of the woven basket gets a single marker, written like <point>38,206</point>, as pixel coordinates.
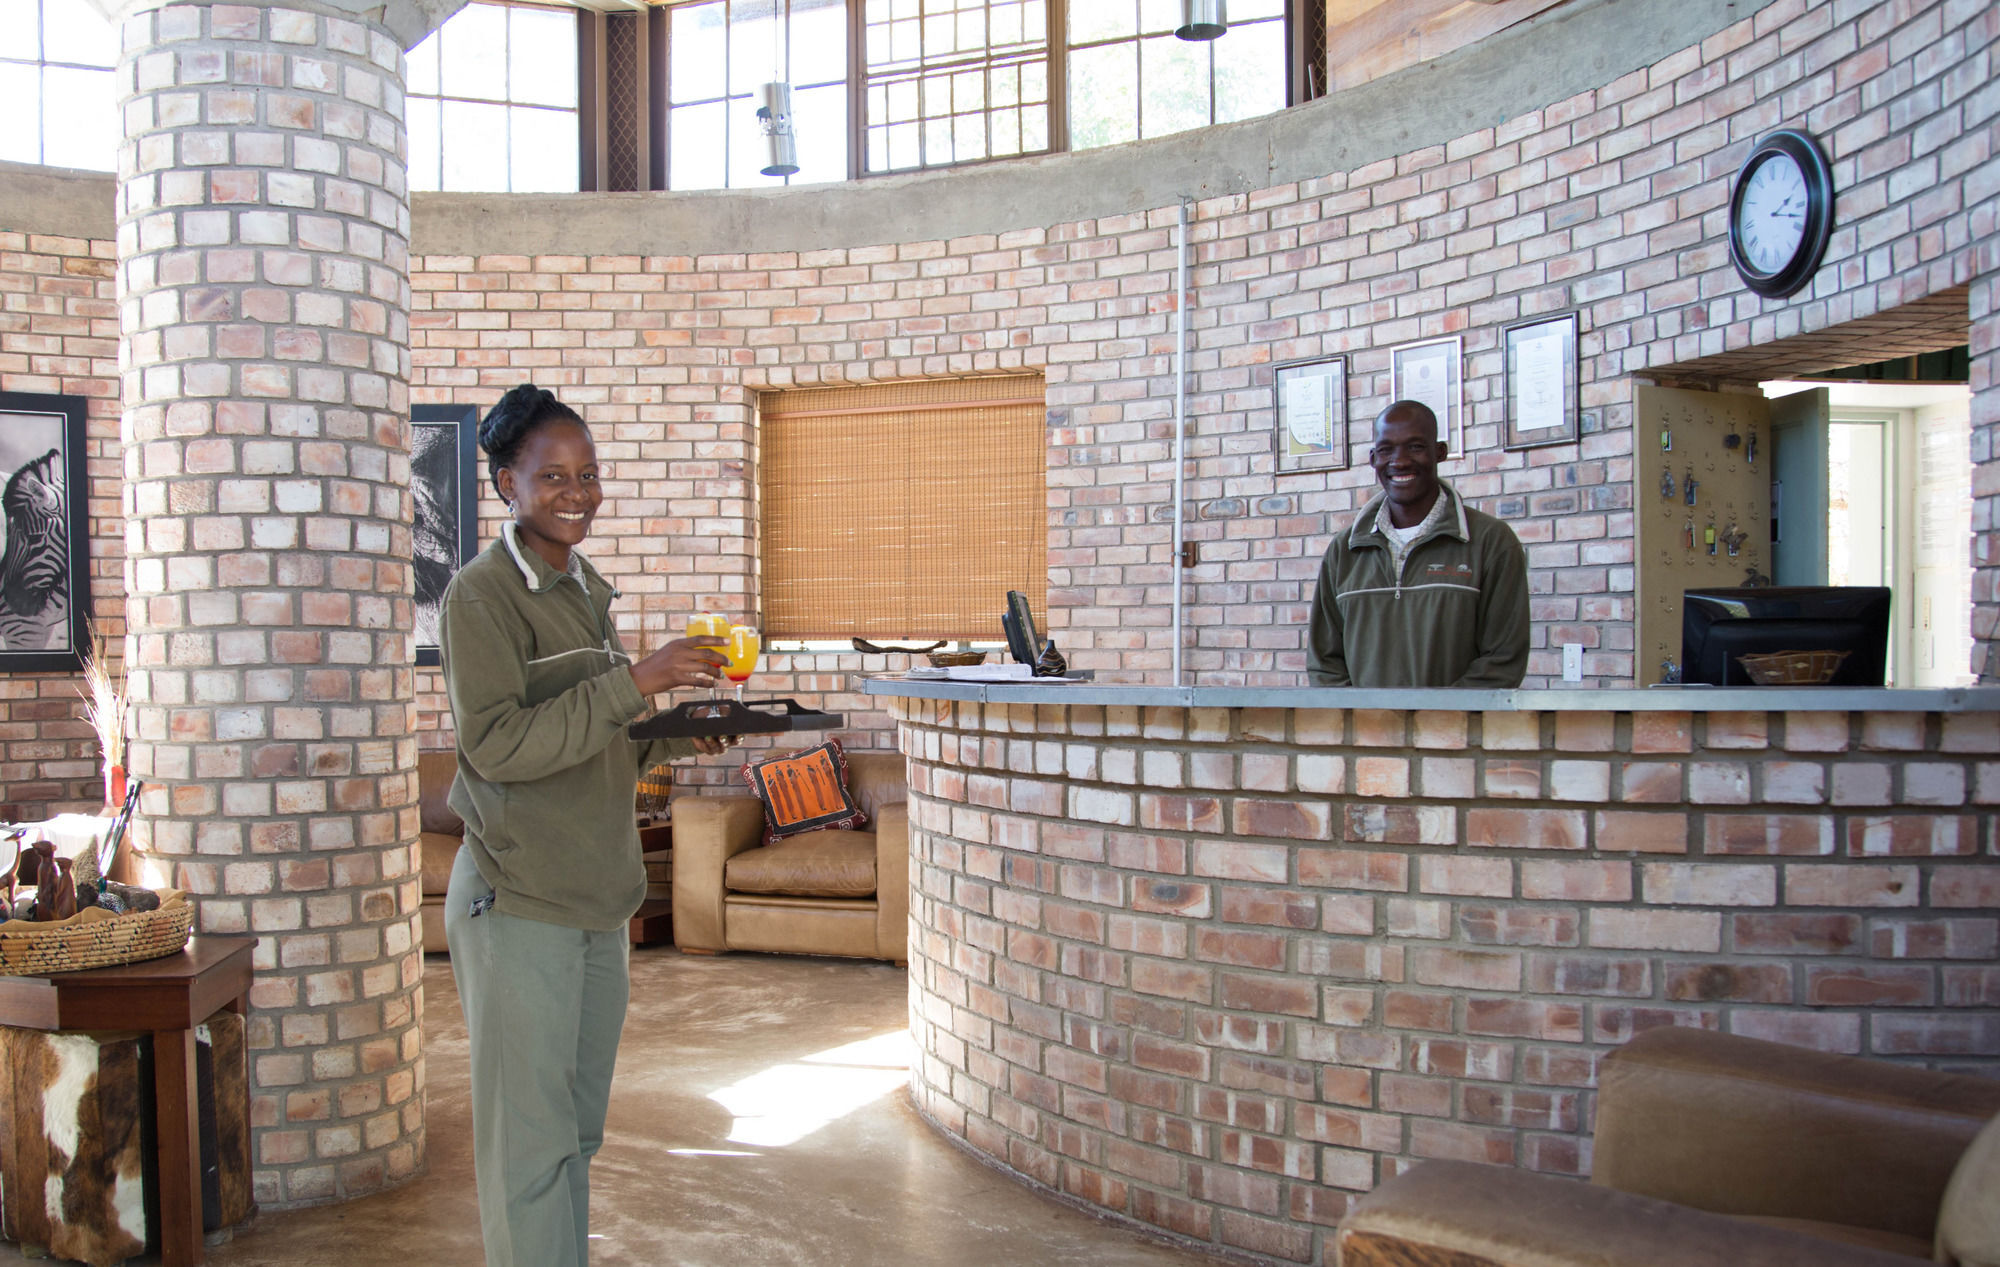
<point>957,659</point>
<point>1792,668</point>
<point>95,938</point>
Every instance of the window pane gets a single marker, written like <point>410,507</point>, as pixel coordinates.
<point>1006,23</point>
<point>696,141</point>
<point>474,52</point>
<point>1156,16</point>
<point>1006,85</point>
<point>543,145</point>
<point>475,144</point>
<point>20,29</point>
<point>1249,10</point>
<point>541,51</point>
<point>1006,132</point>
<point>21,106</point>
<point>821,118</point>
<point>81,119</point>
<point>753,48</point>
<point>937,142</point>
<point>1035,129</point>
<point>1174,76</point>
<point>968,137</point>
<point>696,65</point>
<point>1103,95</point>
<point>424,153</point>
<point>1100,20</point>
<point>968,91</point>
<point>819,42</point>
<point>75,32</point>
<point>902,102</point>
<point>423,59</point>
<point>1247,79</point>
<point>904,142</point>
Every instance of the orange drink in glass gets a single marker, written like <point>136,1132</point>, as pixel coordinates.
<point>744,646</point>
<point>708,625</point>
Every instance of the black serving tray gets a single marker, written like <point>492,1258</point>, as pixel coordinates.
<point>714,718</point>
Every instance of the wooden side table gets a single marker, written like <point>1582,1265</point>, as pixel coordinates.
<point>169,996</point>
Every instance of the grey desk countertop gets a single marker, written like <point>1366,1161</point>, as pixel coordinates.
<point>1682,699</point>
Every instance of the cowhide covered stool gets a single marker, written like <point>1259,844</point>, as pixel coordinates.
<point>77,1171</point>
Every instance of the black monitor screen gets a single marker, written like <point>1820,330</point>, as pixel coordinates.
<point>1721,626</point>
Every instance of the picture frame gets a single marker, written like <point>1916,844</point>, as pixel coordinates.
<point>1541,381</point>
<point>1309,398</point>
<point>444,485</point>
<point>45,564</point>
<point>1432,372</point>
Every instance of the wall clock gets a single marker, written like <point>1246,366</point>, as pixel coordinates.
<point>1781,213</point>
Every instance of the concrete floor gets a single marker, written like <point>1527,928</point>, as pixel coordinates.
<point>759,1116</point>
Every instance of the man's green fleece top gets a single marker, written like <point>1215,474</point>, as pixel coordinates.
<point>541,694</point>
<point>1456,614</point>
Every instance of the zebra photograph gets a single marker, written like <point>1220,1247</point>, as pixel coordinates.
<point>443,444</point>
<point>44,592</point>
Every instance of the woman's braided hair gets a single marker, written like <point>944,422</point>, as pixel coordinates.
<point>509,423</point>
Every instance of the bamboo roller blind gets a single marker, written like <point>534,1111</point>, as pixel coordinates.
<point>904,510</point>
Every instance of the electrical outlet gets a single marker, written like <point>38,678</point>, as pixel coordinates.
<point>1572,662</point>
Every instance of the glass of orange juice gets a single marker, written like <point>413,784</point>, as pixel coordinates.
<point>709,625</point>
<point>744,646</point>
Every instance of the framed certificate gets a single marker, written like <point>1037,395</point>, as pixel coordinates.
<point>1432,373</point>
<point>1311,399</point>
<point>1541,381</point>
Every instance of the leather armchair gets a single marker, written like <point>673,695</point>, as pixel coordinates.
<point>1712,1148</point>
<point>801,895</point>
<point>442,832</point>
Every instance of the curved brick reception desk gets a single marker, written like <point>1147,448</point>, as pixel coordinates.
<point>1217,960</point>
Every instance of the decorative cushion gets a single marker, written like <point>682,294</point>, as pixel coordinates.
<point>815,864</point>
<point>1968,1230</point>
<point>804,791</point>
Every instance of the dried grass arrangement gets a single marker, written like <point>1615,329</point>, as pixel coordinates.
<point>105,703</point>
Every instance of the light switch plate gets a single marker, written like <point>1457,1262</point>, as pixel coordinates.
<point>1572,662</point>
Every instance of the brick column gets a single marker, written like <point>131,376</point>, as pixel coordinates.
<point>263,231</point>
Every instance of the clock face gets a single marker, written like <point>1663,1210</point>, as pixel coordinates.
<point>1781,214</point>
<point>1771,216</point>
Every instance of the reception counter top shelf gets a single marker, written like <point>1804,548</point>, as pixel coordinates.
<point>1658,699</point>
<point>1211,957</point>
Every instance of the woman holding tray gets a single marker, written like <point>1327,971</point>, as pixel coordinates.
<point>541,694</point>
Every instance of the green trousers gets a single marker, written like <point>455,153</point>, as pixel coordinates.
<point>544,1006</point>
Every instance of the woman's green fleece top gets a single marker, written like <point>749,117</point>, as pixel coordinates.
<point>541,695</point>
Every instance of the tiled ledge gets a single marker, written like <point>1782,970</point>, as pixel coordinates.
<point>1693,699</point>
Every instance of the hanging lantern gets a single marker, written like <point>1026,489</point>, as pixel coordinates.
<point>774,119</point>
<point>1202,19</point>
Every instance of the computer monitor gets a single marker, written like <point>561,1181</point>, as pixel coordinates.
<point>1720,626</point>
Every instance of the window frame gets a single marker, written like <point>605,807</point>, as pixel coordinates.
<point>42,64</point>
<point>1304,38</point>
<point>576,111</point>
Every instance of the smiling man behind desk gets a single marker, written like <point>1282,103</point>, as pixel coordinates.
<point>1421,590</point>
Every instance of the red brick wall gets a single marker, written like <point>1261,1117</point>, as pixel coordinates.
<point>59,337</point>
<point>1612,202</point>
<point>1220,970</point>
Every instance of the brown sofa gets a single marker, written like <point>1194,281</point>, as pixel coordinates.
<point>443,832</point>
<point>1715,1149</point>
<point>821,893</point>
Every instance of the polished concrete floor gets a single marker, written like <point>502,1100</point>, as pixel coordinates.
<point>759,1117</point>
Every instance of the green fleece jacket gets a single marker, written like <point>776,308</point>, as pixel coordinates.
<point>1457,614</point>
<point>541,696</point>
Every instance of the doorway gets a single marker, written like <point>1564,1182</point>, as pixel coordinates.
<point>1872,485</point>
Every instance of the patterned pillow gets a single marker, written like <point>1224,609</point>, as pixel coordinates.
<point>804,791</point>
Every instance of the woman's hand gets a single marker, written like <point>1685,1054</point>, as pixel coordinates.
<point>710,747</point>
<point>682,662</point>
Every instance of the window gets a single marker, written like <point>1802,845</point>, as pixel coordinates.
<point>56,90</point>
<point>902,510</point>
<point>492,102</point>
<point>1130,79</point>
<point>955,81</point>
<point>718,53</point>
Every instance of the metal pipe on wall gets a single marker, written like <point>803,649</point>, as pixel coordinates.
<point>1180,423</point>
